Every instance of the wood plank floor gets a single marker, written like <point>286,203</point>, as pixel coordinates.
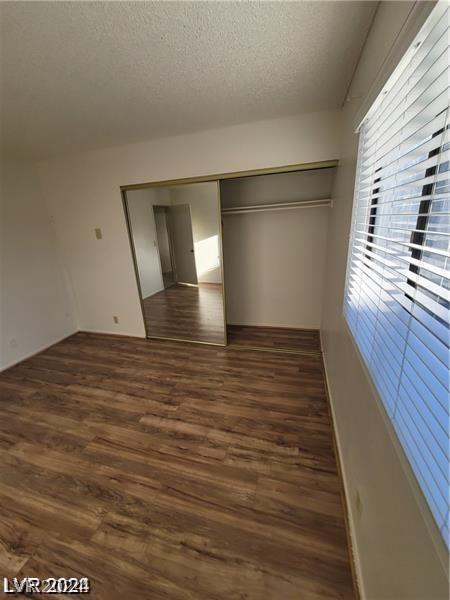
<point>274,338</point>
<point>187,313</point>
<point>171,470</point>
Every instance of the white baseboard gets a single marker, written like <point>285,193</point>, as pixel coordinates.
<point>152,294</point>
<point>272,326</point>
<point>350,516</point>
<point>108,332</point>
<point>60,339</point>
<point>116,333</point>
<point>36,351</point>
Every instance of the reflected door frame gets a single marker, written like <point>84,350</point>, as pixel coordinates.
<point>165,208</point>
<point>184,252</point>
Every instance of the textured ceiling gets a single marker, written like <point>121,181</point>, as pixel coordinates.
<point>82,75</point>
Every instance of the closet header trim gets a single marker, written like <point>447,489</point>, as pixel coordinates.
<point>324,164</point>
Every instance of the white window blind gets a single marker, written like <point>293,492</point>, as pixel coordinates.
<point>398,280</point>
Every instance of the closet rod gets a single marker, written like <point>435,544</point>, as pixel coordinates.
<point>236,210</point>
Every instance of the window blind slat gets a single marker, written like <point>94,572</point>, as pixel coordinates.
<point>437,64</point>
<point>409,140</point>
<point>435,435</point>
<point>431,48</point>
<point>430,104</point>
<point>435,461</point>
<point>394,176</point>
<point>436,486</point>
<point>412,153</point>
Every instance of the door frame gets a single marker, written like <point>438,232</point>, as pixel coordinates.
<point>309,166</point>
<point>170,238</point>
<point>192,249</point>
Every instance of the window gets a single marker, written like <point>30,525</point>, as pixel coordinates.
<point>398,278</point>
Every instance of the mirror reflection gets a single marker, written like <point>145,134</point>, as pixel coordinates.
<point>175,234</point>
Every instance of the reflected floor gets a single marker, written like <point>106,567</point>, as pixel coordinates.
<point>186,312</point>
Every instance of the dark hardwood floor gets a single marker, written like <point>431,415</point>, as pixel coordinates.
<point>187,313</point>
<point>274,338</point>
<point>171,470</point>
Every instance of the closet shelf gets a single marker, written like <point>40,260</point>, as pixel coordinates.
<point>235,210</point>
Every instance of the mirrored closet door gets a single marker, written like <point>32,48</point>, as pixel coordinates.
<point>176,240</point>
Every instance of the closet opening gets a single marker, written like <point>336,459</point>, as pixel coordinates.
<point>274,244</point>
<point>233,259</point>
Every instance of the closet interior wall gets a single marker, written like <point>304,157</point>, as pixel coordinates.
<point>273,252</point>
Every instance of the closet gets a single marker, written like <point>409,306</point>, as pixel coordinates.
<point>274,245</point>
<point>216,257</point>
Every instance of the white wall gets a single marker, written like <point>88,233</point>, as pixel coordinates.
<point>274,267</point>
<point>36,309</point>
<point>400,555</point>
<point>83,192</point>
<point>203,200</point>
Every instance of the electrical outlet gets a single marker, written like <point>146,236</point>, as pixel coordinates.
<point>115,319</point>
<point>13,343</point>
<point>98,233</point>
